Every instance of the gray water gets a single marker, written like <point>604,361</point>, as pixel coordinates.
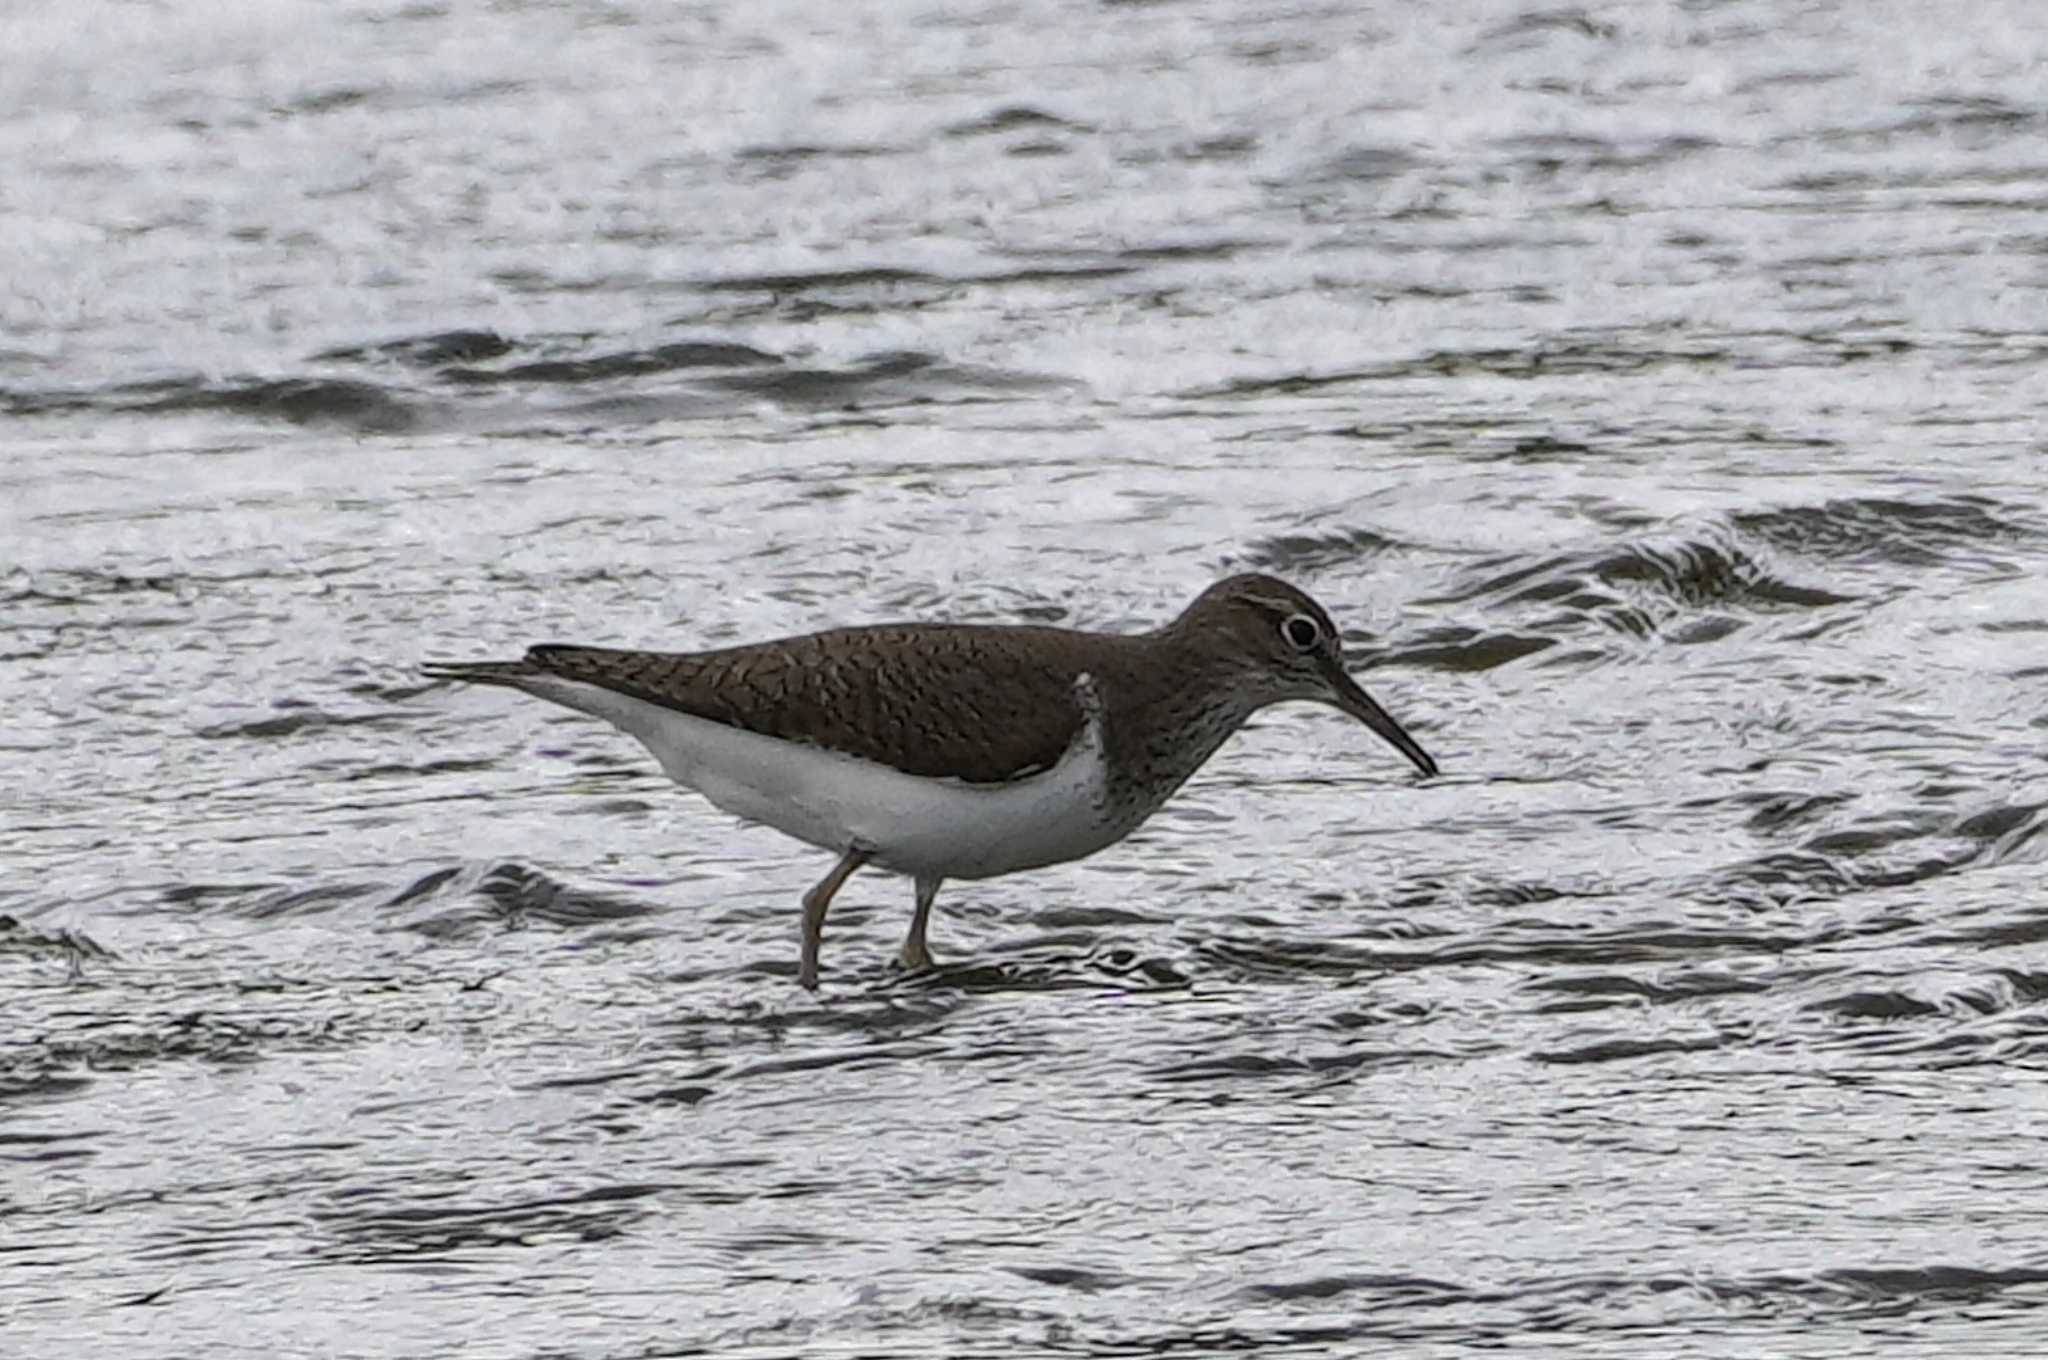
<point>1653,392</point>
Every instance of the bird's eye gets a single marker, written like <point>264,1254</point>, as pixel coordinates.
<point>1301,632</point>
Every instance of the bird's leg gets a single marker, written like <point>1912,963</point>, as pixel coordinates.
<point>815,902</point>
<point>914,955</point>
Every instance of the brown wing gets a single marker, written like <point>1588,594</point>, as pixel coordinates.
<point>948,701</point>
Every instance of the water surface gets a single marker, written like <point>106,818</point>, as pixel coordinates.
<point>1650,391</point>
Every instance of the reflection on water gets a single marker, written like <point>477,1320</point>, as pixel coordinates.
<point>1649,396</point>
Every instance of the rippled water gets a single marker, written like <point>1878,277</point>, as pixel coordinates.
<point>1653,390</point>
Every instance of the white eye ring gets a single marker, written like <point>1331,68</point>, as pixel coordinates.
<point>1301,632</point>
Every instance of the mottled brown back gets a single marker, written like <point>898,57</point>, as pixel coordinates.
<point>978,703</point>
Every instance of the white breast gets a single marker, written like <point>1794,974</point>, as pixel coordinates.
<point>914,825</point>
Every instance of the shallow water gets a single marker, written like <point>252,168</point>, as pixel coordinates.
<point>1651,391</point>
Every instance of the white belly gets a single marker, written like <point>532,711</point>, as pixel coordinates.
<point>934,827</point>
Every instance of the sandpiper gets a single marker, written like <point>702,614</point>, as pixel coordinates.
<point>946,750</point>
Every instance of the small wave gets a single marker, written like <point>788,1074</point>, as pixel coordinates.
<point>1541,23</point>
<point>1413,1288</point>
<point>1310,552</point>
<point>77,587</point>
<point>1905,533</point>
<point>1893,851</point>
<point>1269,957</point>
<point>1982,118</point>
<point>1879,1005</point>
<point>1080,1279</point>
<point>779,158</point>
<point>1067,962</point>
<point>1416,1310</point>
<point>379,1225</point>
<point>682,354</point>
<point>1625,1049</point>
<point>1224,248</point>
<point>427,351</point>
<point>1228,146</point>
<point>812,280</point>
<point>1691,589</point>
<point>329,100</point>
<point>65,1062</point>
<point>1467,649</point>
<point>1014,118</point>
<point>1366,163</point>
<point>1887,1025</point>
<point>869,279</point>
<point>1538,448</point>
<point>1787,877</point>
<point>1551,152</point>
<point>75,947</point>
<point>890,378</point>
<point>1781,809</point>
<point>2004,831</point>
<point>1587,354</point>
<point>2000,991</point>
<point>1707,571</point>
<point>351,403</point>
<point>1322,1067</point>
<point>23,1085</point>
<point>718,372</point>
<point>519,891</point>
<point>294,722</point>
<point>864,1055</point>
<point>445,901</point>
<point>1600,991</point>
<point>348,402</point>
<point>458,354</point>
<point>1541,948</point>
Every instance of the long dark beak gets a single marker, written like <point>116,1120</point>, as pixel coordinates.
<point>1349,698</point>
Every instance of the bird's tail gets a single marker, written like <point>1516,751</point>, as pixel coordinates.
<point>514,673</point>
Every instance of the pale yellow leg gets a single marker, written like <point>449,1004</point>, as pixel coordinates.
<point>815,902</point>
<point>914,954</point>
